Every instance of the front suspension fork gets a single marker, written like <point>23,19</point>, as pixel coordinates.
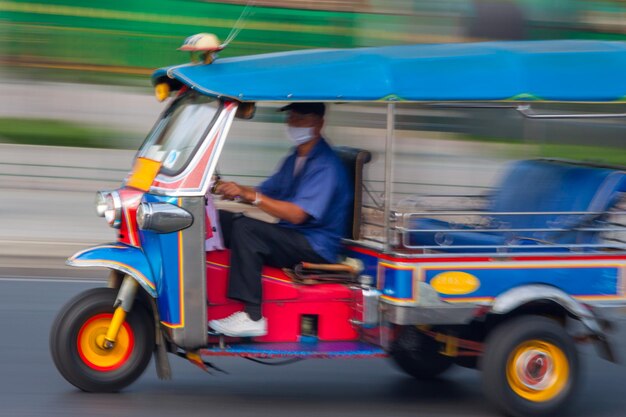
<point>123,305</point>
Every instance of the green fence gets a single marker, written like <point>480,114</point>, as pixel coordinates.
<point>135,36</point>
<point>145,34</point>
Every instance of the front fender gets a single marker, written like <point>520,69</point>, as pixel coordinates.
<point>123,258</point>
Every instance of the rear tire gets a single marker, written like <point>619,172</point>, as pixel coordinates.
<point>530,367</point>
<point>81,360</point>
<point>418,355</point>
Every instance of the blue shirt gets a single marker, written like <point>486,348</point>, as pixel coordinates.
<point>322,190</point>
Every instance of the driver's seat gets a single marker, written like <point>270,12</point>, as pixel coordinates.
<point>354,159</point>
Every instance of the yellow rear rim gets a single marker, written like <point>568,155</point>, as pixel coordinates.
<point>537,371</point>
<point>90,341</point>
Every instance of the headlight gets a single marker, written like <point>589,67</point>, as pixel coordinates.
<point>163,217</point>
<point>101,203</point>
<point>113,210</point>
<point>144,215</point>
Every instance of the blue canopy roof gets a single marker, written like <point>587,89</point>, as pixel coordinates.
<point>532,70</point>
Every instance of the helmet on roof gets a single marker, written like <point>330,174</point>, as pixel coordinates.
<point>201,42</point>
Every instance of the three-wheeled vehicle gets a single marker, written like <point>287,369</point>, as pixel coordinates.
<point>508,287</point>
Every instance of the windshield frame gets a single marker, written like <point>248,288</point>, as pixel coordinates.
<point>151,138</point>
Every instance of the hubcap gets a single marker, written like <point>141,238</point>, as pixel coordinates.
<point>90,344</point>
<point>537,371</point>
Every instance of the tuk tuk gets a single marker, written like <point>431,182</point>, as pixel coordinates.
<point>508,288</point>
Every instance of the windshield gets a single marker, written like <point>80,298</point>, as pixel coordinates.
<point>175,137</point>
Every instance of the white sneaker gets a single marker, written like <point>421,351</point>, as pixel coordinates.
<point>240,325</point>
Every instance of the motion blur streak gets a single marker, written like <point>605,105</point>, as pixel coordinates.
<point>130,37</point>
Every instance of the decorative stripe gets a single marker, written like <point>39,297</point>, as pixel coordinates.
<point>398,300</point>
<point>171,326</point>
<point>263,276</point>
<point>181,282</point>
<point>216,264</point>
<point>525,97</point>
<point>482,258</point>
<point>576,297</point>
<point>390,258</point>
<point>468,300</point>
<point>136,273</point>
<point>521,264</point>
<point>599,297</point>
<point>320,349</point>
<point>399,267</point>
<point>76,255</point>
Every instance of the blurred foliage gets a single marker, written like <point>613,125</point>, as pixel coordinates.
<point>55,133</point>
<point>593,154</point>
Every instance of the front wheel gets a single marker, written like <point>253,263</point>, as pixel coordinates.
<point>530,367</point>
<point>76,337</point>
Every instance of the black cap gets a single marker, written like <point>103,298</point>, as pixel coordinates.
<point>306,108</point>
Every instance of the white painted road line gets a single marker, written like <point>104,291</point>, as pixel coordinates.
<point>55,280</point>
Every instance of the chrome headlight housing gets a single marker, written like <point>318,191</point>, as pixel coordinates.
<point>163,217</point>
<point>113,210</point>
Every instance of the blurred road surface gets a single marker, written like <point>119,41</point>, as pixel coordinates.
<point>31,386</point>
<point>47,209</point>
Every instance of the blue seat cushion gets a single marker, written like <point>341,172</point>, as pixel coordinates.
<point>541,188</point>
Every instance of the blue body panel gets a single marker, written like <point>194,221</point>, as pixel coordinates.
<point>163,252</point>
<point>584,281</point>
<point>156,266</point>
<point>120,257</point>
<point>396,282</point>
<point>544,70</point>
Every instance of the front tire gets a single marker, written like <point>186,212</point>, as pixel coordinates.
<point>75,342</point>
<point>530,367</point>
<point>418,354</point>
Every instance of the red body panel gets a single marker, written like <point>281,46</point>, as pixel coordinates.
<point>130,202</point>
<point>284,303</point>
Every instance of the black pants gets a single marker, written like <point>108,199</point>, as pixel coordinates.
<point>254,243</point>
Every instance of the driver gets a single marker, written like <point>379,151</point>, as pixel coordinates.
<point>309,194</point>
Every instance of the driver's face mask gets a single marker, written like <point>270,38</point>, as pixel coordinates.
<point>300,135</point>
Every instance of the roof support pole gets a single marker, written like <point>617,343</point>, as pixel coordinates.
<point>389,153</point>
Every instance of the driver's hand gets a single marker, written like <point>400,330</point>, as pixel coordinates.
<point>230,190</point>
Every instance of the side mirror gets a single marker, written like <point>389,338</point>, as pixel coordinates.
<point>245,111</point>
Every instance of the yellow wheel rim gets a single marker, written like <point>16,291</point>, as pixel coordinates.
<point>91,338</point>
<point>537,371</point>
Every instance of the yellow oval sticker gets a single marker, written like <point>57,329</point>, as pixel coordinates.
<point>455,283</point>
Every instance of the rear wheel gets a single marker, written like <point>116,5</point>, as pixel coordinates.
<point>418,355</point>
<point>530,367</point>
<point>76,342</point>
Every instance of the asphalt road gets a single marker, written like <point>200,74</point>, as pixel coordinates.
<point>31,386</point>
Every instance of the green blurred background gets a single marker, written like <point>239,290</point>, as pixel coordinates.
<point>132,37</point>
